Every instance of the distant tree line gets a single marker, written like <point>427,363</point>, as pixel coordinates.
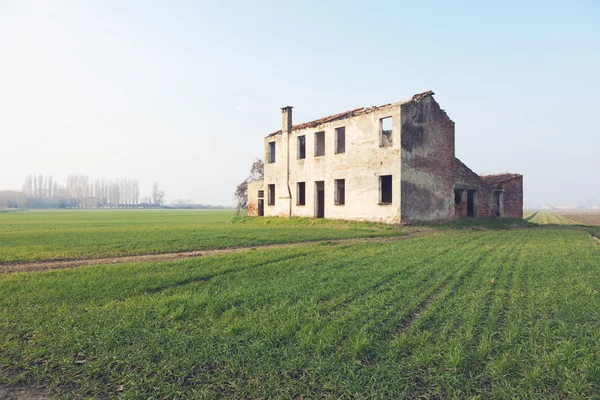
<point>43,191</point>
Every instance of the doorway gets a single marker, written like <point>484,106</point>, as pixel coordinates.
<point>261,207</point>
<point>320,193</point>
<point>471,212</point>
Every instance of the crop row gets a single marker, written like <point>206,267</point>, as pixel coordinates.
<point>491,313</point>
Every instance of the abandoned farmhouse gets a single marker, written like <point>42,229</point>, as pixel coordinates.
<point>393,163</point>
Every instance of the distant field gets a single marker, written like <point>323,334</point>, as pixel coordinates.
<point>527,213</point>
<point>584,217</point>
<point>547,217</point>
<point>497,314</point>
<point>80,234</point>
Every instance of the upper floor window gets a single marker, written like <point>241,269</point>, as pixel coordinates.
<point>385,132</point>
<point>319,144</point>
<point>301,147</point>
<point>340,140</point>
<point>271,155</point>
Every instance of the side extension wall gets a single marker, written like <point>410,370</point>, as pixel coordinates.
<point>513,198</point>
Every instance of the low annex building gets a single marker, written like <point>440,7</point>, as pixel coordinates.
<point>394,163</point>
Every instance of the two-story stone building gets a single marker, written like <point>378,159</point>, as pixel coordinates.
<point>393,163</point>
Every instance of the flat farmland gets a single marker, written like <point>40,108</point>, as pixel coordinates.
<point>458,313</point>
<point>527,213</point>
<point>583,217</point>
<point>545,217</point>
<point>83,234</point>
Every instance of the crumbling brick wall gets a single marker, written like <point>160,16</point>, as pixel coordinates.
<point>513,198</point>
<point>252,210</point>
<point>465,179</point>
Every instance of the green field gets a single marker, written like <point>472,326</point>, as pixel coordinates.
<point>459,313</point>
<point>81,234</point>
<point>527,213</point>
<point>547,217</point>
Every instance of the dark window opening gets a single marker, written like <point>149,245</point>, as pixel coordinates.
<point>261,193</point>
<point>271,191</point>
<point>301,194</point>
<point>385,189</point>
<point>319,144</point>
<point>340,140</point>
<point>457,196</point>
<point>340,192</point>
<point>271,155</point>
<point>301,147</point>
<point>471,203</point>
<point>385,128</point>
<point>497,204</point>
<point>320,197</point>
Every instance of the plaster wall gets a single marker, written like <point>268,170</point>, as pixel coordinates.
<point>361,165</point>
<point>253,188</point>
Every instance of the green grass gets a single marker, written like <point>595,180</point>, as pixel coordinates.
<point>549,218</point>
<point>488,313</point>
<point>527,213</point>
<point>481,224</point>
<point>80,234</point>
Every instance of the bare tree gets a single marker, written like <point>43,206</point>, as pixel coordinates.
<point>158,196</point>
<point>136,193</point>
<point>28,186</point>
<point>154,192</point>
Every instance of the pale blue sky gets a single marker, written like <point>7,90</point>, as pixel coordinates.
<point>183,92</point>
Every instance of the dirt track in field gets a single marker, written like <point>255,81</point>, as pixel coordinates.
<point>22,393</point>
<point>49,265</point>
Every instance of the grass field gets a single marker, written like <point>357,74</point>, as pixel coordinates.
<point>73,234</point>
<point>494,313</point>
<point>547,217</point>
<point>583,217</point>
<point>527,213</point>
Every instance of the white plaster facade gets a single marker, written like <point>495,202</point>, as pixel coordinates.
<point>361,165</point>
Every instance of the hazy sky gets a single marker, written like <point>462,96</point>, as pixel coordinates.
<point>184,92</point>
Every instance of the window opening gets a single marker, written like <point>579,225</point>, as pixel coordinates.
<point>385,129</point>
<point>385,188</point>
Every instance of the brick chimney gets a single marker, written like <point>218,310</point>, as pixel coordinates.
<point>285,198</point>
<point>286,119</point>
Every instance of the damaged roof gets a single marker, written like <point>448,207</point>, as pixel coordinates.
<point>493,179</point>
<point>352,113</point>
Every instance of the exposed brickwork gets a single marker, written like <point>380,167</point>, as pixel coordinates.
<point>427,158</point>
<point>252,210</point>
<point>513,197</point>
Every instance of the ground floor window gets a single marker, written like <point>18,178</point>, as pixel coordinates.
<point>271,193</point>
<point>385,189</point>
<point>301,194</point>
<point>457,196</point>
<point>340,192</point>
